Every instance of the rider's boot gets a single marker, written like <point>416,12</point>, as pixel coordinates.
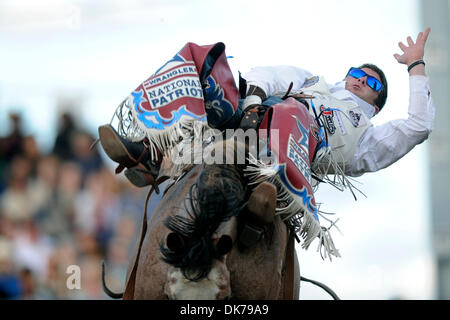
<point>132,156</point>
<point>253,111</point>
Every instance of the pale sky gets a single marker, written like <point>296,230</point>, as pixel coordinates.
<point>97,52</point>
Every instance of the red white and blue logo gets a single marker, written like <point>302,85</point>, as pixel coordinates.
<point>175,91</point>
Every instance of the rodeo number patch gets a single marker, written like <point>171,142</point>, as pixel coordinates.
<point>328,119</point>
<point>356,117</point>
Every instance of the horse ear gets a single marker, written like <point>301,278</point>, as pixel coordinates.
<point>224,245</point>
<point>175,242</point>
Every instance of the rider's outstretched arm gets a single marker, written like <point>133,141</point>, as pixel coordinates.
<point>381,146</point>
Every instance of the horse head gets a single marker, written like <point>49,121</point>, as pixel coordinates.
<point>203,234</point>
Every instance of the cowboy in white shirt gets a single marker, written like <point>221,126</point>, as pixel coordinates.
<point>377,147</point>
<point>374,148</point>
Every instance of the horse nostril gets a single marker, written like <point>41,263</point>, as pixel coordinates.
<point>224,245</point>
<point>175,242</point>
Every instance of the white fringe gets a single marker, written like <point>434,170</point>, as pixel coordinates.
<point>164,140</point>
<point>125,123</point>
<point>328,169</point>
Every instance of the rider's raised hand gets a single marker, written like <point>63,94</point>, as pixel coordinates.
<point>413,51</point>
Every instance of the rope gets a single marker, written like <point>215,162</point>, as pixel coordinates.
<point>321,285</point>
<point>144,221</point>
<point>106,289</point>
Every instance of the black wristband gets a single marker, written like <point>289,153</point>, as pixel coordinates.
<point>415,64</point>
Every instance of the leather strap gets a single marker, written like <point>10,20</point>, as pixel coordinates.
<point>257,91</point>
<point>130,284</point>
<point>289,270</point>
<point>129,288</point>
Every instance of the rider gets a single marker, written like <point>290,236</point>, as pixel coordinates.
<point>325,130</point>
<point>381,146</point>
<point>366,86</point>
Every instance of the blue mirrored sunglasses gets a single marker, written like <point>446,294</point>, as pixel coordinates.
<point>372,82</point>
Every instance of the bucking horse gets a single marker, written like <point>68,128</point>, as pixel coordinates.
<point>222,230</point>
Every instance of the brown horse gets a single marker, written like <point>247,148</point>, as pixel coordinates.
<point>192,246</point>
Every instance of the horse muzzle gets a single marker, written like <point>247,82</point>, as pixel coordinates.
<point>215,286</point>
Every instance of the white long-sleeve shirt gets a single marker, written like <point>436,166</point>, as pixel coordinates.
<point>379,146</point>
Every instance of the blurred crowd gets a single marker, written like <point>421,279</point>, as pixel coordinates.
<point>61,209</point>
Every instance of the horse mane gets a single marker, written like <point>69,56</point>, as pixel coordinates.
<point>215,197</point>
